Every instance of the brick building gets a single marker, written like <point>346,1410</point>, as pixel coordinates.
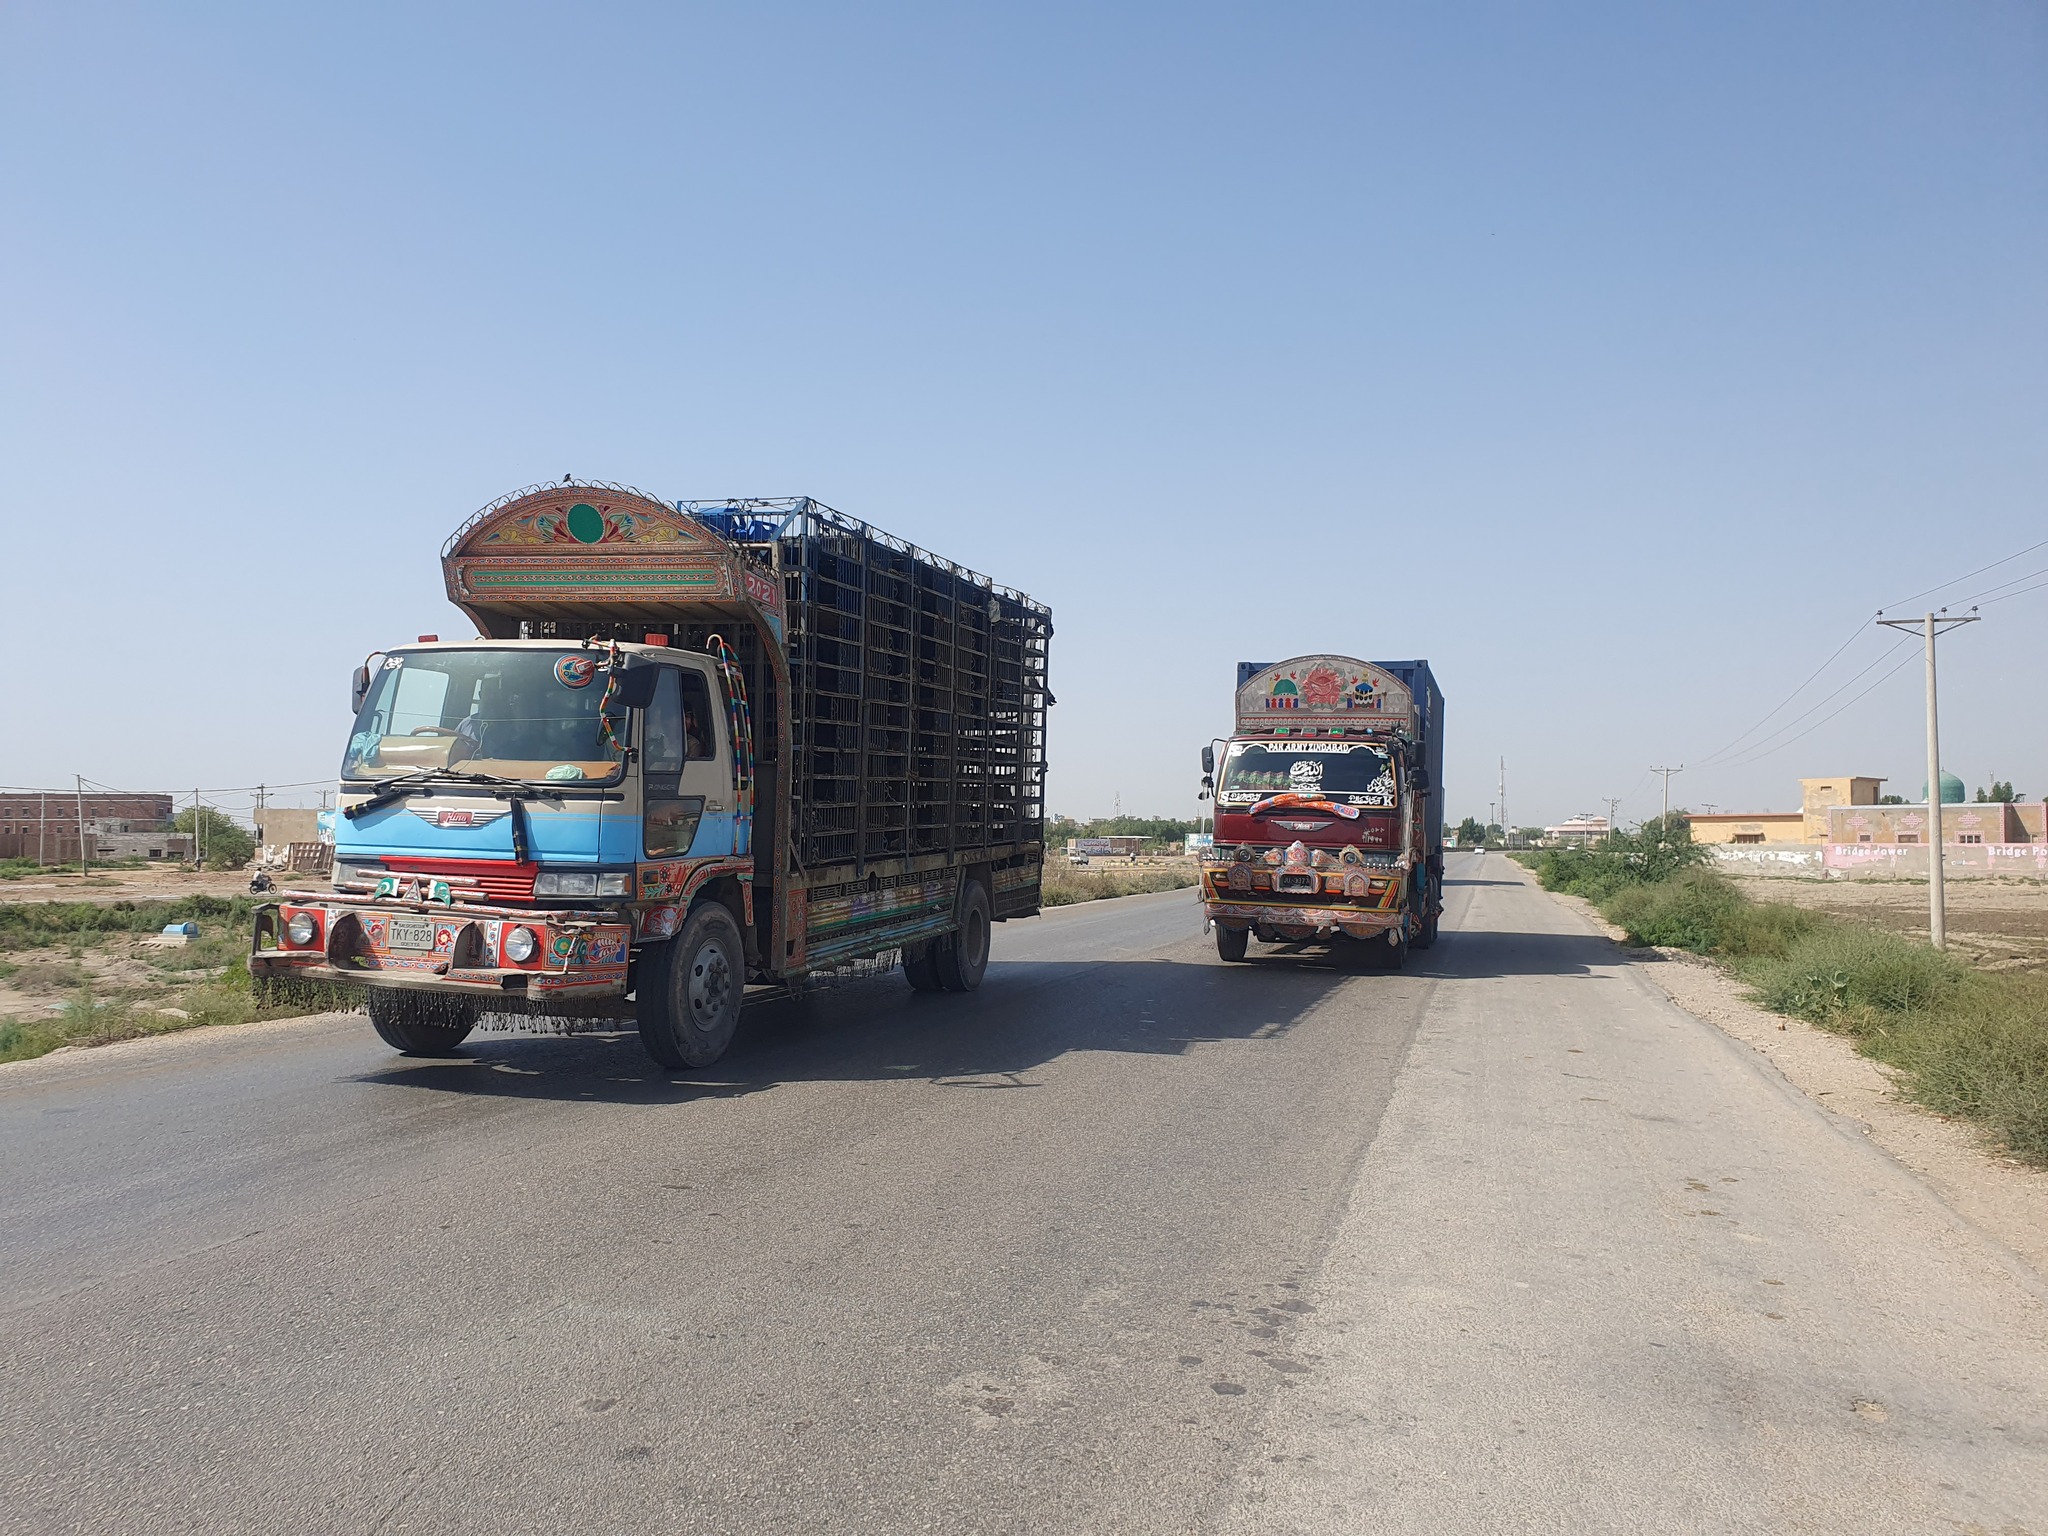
<point>44,824</point>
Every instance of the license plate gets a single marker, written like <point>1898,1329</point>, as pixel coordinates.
<point>412,933</point>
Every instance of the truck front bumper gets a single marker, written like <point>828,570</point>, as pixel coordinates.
<point>1301,922</point>
<point>578,955</point>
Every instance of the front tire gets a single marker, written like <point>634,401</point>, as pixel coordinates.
<point>420,1023</point>
<point>963,959</point>
<point>1232,943</point>
<point>689,991</point>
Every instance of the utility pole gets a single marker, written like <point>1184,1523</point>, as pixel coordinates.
<point>78,783</point>
<point>1613,804</point>
<point>1667,772</point>
<point>1503,798</point>
<point>42,824</point>
<point>1931,625</point>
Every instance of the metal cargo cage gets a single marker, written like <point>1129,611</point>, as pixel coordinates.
<point>920,688</point>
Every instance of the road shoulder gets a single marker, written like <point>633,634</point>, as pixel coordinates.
<point>1999,1195</point>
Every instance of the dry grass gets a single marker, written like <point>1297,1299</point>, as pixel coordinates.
<point>1065,884</point>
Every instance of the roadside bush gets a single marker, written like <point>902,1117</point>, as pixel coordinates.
<point>1705,913</point>
<point>1855,979</point>
<point>1065,885</point>
<point>1655,851</point>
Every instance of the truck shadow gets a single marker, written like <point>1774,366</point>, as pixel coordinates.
<point>1027,1013</point>
<point>877,1030</point>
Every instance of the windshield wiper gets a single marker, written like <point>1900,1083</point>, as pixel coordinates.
<point>423,780</point>
<point>515,792</point>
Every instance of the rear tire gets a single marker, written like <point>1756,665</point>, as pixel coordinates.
<point>963,959</point>
<point>921,966</point>
<point>689,990</point>
<point>420,1023</point>
<point>1232,943</point>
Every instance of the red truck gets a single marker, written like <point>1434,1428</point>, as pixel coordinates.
<point>1329,809</point>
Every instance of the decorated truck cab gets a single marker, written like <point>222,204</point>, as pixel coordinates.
<point>692,746</point>
<point>1329,809</point>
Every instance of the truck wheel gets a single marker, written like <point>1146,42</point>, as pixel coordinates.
<point>921,966</point>
<point>962,959</point>
<point>1427,936</point>
<point>1232,943</point>
<point>688,993</point>
<point>420,1023</point>
<point>1394,955</point>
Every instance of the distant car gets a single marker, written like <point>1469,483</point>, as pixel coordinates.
<point>1080,859</point>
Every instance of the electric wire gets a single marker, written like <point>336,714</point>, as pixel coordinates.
<point>1746,755</point>
<point>1862,628</point>
<point>1902,663</point>
<point>1957,581</point>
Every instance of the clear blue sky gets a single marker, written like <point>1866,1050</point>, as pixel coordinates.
<point>1617,358</point>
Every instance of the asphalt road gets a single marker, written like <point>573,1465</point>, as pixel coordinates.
<point>1131,1241</point>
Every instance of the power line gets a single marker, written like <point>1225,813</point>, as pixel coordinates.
<point>2033,576</point>
<point>1903,663</point>
<point>1861,629</point>
<point>1714,758</point>
<point>1994,565</point>
<point>1764,747</point>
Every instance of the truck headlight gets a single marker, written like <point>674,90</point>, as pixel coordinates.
<point>521,945</point>
<point>562,883</point>
<point>302,929</point>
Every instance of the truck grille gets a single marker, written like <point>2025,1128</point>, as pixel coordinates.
<point>499,879</point>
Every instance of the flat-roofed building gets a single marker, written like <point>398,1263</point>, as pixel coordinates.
<point>1582,828</point>
<point>1983,822</point>
<point>1817,797</point>
<point>1748,827</point>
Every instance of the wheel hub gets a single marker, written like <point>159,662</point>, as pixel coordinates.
<point>710,984</point>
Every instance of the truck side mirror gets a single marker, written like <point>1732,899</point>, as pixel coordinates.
<point>359,689</point>
<point>636,686</point>
<point>1208,762</point>
<point>1418,780</point>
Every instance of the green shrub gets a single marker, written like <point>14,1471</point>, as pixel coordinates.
<point>1856,979</point>
<point>1655,851</point>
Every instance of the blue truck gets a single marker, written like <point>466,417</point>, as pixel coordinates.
<point>692,747</point>
<point>1329,809</point>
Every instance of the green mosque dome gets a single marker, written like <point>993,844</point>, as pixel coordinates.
<point>1951,790</point>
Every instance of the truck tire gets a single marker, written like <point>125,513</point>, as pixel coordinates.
<point>921,966</point>
<point>688,994</point>
<point>1427,936</point>
<point>1394,950</point>
<point>1232,943</point>
<point>962,959</point>
<point>420,1023</point>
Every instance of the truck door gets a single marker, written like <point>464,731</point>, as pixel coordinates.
<point>686,770</point>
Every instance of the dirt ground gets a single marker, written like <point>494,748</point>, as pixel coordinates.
<point>155,882</point>
<point>1994,924</point>
<point>120,969</point>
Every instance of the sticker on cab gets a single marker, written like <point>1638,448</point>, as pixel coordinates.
<point>575,671</point>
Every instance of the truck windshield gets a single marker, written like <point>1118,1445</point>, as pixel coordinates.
<point>1348,772</point>
<point>516,714</point>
